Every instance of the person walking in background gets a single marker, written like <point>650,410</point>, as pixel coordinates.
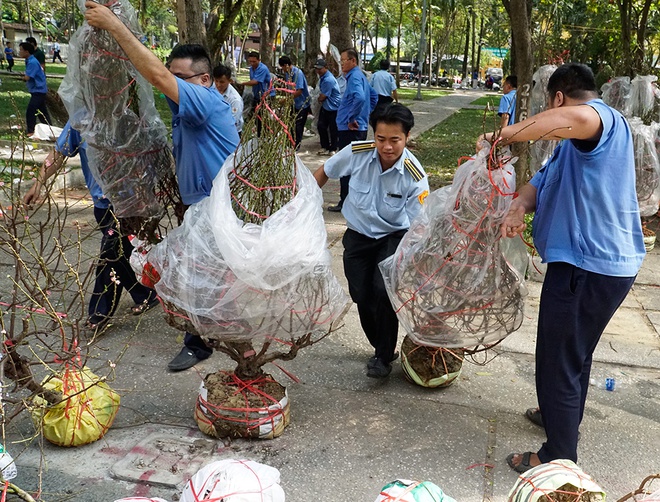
<point>203,131</point>
<point>222,79</point>
<point>384,84</point>
<point>356,104</point>
<point>507,109</point>
<point>329,98</point>
<point>56,52</point>
<point>9,56</point>
<point>260,80</point>
<point>113,271</point>
<point>35,79</point>
<point>297,78</point>
<point>38,53</point>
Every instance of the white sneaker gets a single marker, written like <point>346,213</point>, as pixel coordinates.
<point>328,153</point>
<point>321,152</point>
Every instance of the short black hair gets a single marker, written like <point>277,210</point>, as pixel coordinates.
<point>384,64</point>
<point>393,113</point>
<point>575,80</point>
<point>253,54</point>
<point>27,46</point>
<point>351,53</point>
<point>31,40</point>
<point>284,60</point>
<point>512,80</point>
<point>201,62</point>
<point>222,71</point>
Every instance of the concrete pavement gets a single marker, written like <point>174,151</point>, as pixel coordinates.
<point>349,434</point>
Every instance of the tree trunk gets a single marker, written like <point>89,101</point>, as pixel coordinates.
<point>467,46</point>
<point>481,37</point>
<point>339,25</point>
<point>218,32</point>
<point>271,11</point>
<point>639,66</point>
<point>190,22</point>
<point>520,12</point>
<point>398,45</point>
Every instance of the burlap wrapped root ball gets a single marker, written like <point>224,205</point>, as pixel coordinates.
<point>230,407</point>
<point>232,480</point>
<point>430,367</point>
<point>403,490</point>
<point>556,481</point>
<point>84,415</point>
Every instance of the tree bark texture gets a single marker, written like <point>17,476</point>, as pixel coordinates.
<point>339,25</point>
<point>271,10</point>
<point>190,22</point>
<point>313,24</point>
<point>218,32</point>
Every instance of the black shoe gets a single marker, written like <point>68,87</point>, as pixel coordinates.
<point>373,359</point>
<point>534,416</point>
<point>380,369</point>
<point>184,360</point>
<point>335,209</point>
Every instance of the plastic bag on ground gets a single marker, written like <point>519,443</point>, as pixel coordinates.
<point>86,413</point>
<point>403,490</point>
<point>449,281</point>
<point>141,499</point>
<point>234,481</point>
<point>236,281</point>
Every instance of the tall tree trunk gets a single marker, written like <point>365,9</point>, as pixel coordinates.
<point>271,11</point>
<point>467,46</point>
<point>625,7</point>
<point>313,25</point>
<point>217,32</point>
<point>429,41</point>
<point>639,66</point>
<point>474,36</point>
<point>520,13</point>
<point>339,25</point>
<point>190,22</point>
<point>398,45</point>
<point>481,37</point>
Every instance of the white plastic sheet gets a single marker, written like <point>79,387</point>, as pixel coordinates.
<point>616,93</point>
<point>541,151</point>
<point>234,481</point>
<point>449,280</point>
<point>238,281</point>
<point>647,165</point>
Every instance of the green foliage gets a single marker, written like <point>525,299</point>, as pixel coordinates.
<point>603,76</point>
<point>374,64</point>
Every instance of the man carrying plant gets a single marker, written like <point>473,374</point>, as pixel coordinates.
<point>387,190</point>
<point>203,131</point>
<point>587,229</point>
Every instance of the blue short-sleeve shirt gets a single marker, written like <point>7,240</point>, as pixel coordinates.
<point>203,135</point>
<point>587,213</point>
<point>383,83</point>
<point>70,144</point>
<point>262,75</point>
<point>378,202</point>
<point>508,105</point>
<point>37,82</point>
<point>357,102</point>
<point>330,89</point>
<point>297,76</point>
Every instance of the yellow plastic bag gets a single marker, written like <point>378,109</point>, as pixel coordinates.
<point>83,418</point>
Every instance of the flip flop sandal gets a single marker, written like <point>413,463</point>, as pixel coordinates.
<point>97,327</point>
<point>524,464</point>
<point>534,416</point>
<point>141,308</point>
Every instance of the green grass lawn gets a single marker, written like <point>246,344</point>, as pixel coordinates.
<point>491,99</point>
<point>407,94</point>
<point>440,149</point>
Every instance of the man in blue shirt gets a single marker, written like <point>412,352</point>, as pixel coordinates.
<point>384,84</point>
<point>35,79</point>
<point>507,109</point>
<point>260,80</point>
<point>587,229</point>
<point>9,55</point>
<point>113,271</point>
<point>329,98</point>
<point>356,104</point>
<point>388,187</point>
<point>301,103</point>
<point>203,131</point>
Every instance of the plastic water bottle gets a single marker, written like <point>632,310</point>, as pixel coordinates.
<point>609,384</point>
<point>7,465</point>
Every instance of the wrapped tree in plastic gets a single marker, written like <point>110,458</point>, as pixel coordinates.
<point>616,93</point>
<point>450,281</point>
<point>647,165</point>
<point>644,98</point>
<point>112,106</point>
<point>249,270</point>
<point>541,151</point>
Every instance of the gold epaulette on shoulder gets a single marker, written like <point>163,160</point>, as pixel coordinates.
<point>412,168</point>
<point>363,146</point>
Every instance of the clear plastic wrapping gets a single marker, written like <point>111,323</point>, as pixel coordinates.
<point>643,93</point>
<point>236,281</point>
<point>647,165</point>
<point>541,151</point>
<point>112,106</point>
<point>616,93</point>
<point>449,280</point>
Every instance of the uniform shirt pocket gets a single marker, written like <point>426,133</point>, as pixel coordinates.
<point>360,192</point>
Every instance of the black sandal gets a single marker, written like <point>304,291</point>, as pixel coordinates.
<point>524,464</point>
<point>98,326</point>
<point>534,416</point>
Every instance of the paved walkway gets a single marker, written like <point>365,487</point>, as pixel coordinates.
<point>349,434</point>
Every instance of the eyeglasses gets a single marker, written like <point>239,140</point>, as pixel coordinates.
<point>189,77</point>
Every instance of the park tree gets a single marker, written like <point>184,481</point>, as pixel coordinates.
<point>634,15</point>
<point>339,25</point>
<point>313,24</point>
<point>271,11</point>
<point>190,20</point>
<point>220,23</point>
